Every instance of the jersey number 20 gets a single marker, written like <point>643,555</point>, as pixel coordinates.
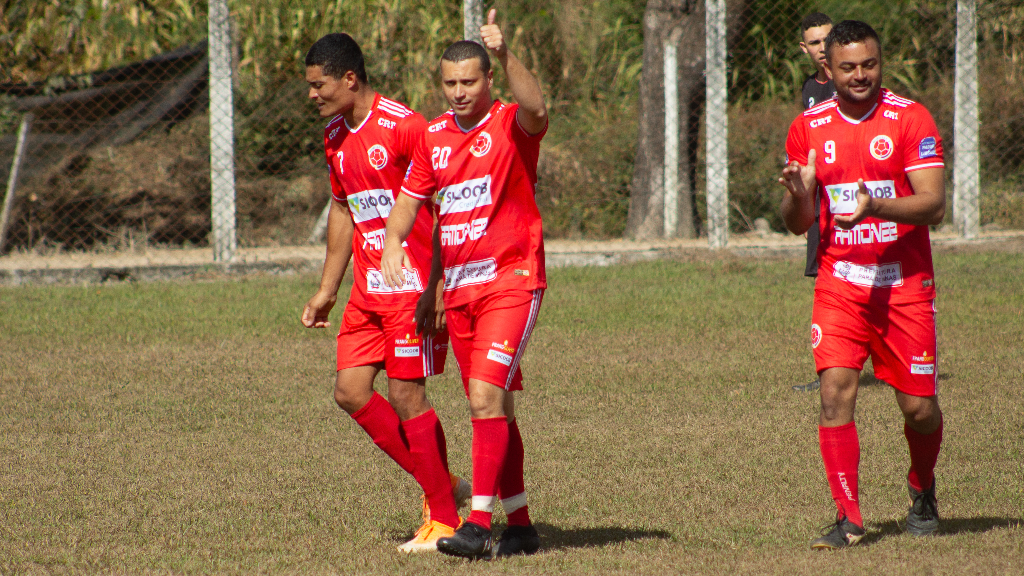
<point>439,157</point>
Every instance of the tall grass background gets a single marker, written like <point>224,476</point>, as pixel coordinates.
<point>587,56</point>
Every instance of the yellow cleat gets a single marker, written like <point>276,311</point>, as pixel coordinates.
<point>426,537</point>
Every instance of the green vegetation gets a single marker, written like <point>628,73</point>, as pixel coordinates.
<point>190,428</point>
<point>587,56</point>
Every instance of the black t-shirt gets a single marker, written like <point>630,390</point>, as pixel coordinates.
<point>812,94</point>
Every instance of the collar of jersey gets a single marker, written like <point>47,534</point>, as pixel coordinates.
<point>376,99</point>
<point>481,122</point>
<point>862,118</point>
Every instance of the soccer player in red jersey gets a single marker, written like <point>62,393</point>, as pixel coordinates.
<point>878,160</point>
<point>369,143</point>
<point>481,160</point>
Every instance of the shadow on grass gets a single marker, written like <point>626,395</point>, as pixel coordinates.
<point>947,527</point>
<point>555,538</point>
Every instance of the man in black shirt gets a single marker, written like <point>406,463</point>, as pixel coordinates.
<point>816,89</point>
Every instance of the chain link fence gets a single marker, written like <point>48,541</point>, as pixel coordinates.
<point>121,158</point>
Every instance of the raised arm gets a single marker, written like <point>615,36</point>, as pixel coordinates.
<point>533,113</point>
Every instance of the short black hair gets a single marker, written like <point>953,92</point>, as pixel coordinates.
<point>850,32</point>
<point>337,54</point>
<point>466,49</point>
<point>814,20</point>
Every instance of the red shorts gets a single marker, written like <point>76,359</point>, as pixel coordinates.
<point>899,337</point>
<point>489,336</point>
<point>390,337</point>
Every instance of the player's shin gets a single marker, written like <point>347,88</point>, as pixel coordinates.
<point>511,488</point>
<point>381,422</point>
<point>840,452</point>
<point>426,444</point>
<point>490,444</point>
<point>924,453</point>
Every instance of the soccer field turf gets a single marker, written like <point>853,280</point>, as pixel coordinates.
<point>189,428</point>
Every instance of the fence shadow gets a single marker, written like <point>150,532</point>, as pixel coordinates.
<point>947,527</point>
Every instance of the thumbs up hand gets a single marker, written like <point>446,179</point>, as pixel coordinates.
<point>491,35</point>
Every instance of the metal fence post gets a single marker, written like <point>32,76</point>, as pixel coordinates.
<point>222,135</point>
<point>671,159</point>
<point>717,126</point>
<point>12,178</point>
<point>472,19</point>
<point>966,167</point>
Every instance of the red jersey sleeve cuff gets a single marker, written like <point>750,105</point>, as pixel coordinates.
<point>924,165</point>
<point>408,192</point>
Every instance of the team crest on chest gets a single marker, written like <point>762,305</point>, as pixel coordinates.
<point>481,146</point>
<point>378,156</point>
<point>881,147</point>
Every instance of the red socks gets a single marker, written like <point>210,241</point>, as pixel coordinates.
<point>511,488</point>
<point>381,422</point>
<point>924,453</point>
<point>840,451</point>
<point>490,443</point>
<point>427,446</point>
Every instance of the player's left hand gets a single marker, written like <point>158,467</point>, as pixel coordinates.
<point>865,208</point>
<point>491,35</point>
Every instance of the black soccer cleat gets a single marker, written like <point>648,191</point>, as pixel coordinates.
<point>923,515</point>
<point>471,541</point>
<point>842,535</point>
<point>517,540</point>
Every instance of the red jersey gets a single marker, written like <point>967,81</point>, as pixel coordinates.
<point>366,165</point>
<point>491,238</point>
<point>875,261</point>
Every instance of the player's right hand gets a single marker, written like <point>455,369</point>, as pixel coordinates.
<point>392,260</point>
<point>799,179</point>
<point>315,313</point>
<point>430,310</point>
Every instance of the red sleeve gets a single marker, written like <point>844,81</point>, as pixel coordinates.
<point>337,191</point>
<point>921,144</point>
<point>528,145</point>
<point>796,142</point>
<point>419,179</point>
<point>410,130</point>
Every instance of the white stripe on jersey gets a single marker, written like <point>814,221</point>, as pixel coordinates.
<point>392,107</point>
<point>333,120</point>
<point>893,102</point>
<point>929,165</point>
<point>898,98</point>
<point>820,108</point>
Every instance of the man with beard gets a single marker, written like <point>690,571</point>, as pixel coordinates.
<point>877,159</point>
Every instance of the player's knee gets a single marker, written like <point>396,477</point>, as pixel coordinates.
<point>346,400</point>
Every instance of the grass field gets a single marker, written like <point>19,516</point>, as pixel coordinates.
<point>189,428</point>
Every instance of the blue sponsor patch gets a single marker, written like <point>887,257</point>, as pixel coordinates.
<point>926,149</point>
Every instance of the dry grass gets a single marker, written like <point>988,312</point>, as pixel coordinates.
<point>188,428</point>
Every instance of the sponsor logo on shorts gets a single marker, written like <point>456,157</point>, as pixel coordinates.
<point>370,204</point>
<point>407,351</point>
<point>503,346</point>
<point>501,357</point>
<point>924,357</point>
<point>926,149</point>
<point>881,147</point>
<point>815,335</point>
<point>873,275</point>
<point>378,156</point>
<point>375,282</point>
<point>465,196</point>
<point>922,368</point>
<point>518,272</point>
<point>409,339</point>
<point>867,234</point>
<point>842,198</point>
<point>481,146</point>
<point>927,283</point>
<point>457,234</point>
<point>477,272</point>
